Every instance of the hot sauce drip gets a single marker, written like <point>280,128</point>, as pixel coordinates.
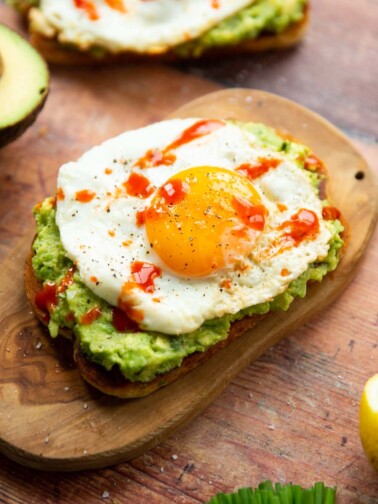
<point>174,191</point>
<point>251,215</point>
<point>46,299</point>
<point>144,275</point>
<point>140,217</point>
<point>226,284</point>
<point>89,7</point>
<point>116,5</point>
<point>157,157</point>
<point>132,313</point>
<point>197,130</point>
<point>85,196</point>
<point>138,185</point>
<point>122,322</point>
<point>60,194</point>
<point>331,213</point>
<point>301,226</point>
<point>91,315</point>
<point>66,280</point>
<point>314,164</point>
<point>256,170</point>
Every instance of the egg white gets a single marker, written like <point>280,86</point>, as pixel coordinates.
<point>151,26</point>
<point>185,303</point>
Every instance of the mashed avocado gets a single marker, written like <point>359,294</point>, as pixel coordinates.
<point>141,355</point>
<point>262,16</point>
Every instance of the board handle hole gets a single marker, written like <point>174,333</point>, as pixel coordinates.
<point>360,175</point>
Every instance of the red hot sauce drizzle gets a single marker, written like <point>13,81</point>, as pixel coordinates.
<point>253,171</point>
<point>174,191</point>
<point>331,213</point>
<point>91,315</point>
<point>85,196</point>
<point>60,194</point>
<point>251,215</point>
<point>122,322</point>
<point>116,5</point>
<point>157,157</point>
<point>47,298</point>
<point>132,313</point>
<point>144,274</point>
<point>138,185</point>
<point>66,280</point>
<point>314,164</point>
<point>89,7</point>
<point>301,226</point>
<point>140,217</point>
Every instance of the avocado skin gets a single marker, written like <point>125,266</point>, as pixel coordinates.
<point>35,91</point>
<point>13,131</point>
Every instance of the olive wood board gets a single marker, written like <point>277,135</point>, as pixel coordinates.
<point>50,419</point>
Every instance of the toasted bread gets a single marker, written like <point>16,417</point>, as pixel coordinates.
<point>113,382</point>
<point>54,52</point>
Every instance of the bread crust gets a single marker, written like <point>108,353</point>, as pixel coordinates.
<point>113,382</point>
<point>54,52</point>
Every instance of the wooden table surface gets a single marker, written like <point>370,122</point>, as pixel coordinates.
<point>293,414</point>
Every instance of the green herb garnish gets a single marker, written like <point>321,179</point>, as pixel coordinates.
<point>265,493</point>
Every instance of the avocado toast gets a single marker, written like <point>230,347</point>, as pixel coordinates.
<point>112,351</point>
<point>246,26</point>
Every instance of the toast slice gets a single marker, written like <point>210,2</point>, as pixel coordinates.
<point>55,52</point>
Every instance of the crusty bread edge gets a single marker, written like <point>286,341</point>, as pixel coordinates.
<point>54,52</point>
<point>113,382</point>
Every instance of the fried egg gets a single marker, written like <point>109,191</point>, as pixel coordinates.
<point>146,26</point>
<point>187,220</point>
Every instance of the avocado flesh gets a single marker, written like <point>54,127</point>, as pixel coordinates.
<point>24,81</point>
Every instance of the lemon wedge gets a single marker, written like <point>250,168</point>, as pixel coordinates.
<point>369,420</point>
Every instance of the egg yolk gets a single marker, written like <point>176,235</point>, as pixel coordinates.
<point>204,219</point>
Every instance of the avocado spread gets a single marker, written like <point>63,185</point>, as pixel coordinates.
<point>262,16</point>
<point>141,355</point>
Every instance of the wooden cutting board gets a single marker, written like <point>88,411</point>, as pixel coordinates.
<point>50,419</point>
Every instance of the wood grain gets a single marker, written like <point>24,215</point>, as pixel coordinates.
<point>293,414</point>
<point>59,433</point>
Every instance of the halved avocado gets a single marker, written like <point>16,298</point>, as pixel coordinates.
<point>24,82</point>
